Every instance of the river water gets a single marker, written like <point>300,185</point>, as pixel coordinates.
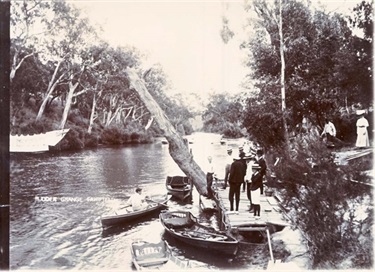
<point>57,200</point>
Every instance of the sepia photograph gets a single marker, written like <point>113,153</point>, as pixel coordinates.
<point>186,135</point>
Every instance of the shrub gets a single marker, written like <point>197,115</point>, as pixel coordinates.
<point>320,195</point>
<point>112,136</point>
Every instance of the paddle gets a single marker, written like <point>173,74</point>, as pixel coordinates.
<point>149,199</point>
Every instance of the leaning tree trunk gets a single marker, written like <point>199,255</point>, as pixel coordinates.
<point>178,149</point>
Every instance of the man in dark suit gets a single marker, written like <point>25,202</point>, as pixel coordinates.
<point>236,178</point>
<point>262,168</point>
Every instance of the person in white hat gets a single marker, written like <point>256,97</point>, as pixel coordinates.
<point>362,135</point>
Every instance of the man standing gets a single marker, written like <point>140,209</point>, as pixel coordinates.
<point>260,172</point>
<point>236,178</point>
<point>229,161</point>
<point>210,176</point>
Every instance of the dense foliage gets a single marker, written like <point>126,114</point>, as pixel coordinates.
<point>328,69</point>
<point>328,204</point>
<point>328,74</point>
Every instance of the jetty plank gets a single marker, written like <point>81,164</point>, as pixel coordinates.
<point>270,214</point>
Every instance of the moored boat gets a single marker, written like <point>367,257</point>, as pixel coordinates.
<point>124,215</point>
<point>37,142</point>
<point>147,256</point>
<point>179,187</point>
<point>183,226</point>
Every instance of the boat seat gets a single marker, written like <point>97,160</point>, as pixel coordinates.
<point>177,181</point>
<point>178,222</point>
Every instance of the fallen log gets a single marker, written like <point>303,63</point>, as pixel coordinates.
<point>178,148</point>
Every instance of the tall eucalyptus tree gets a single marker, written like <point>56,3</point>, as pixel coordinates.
<point>68,38</point>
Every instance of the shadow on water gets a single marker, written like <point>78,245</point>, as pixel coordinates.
<point>126,226</point>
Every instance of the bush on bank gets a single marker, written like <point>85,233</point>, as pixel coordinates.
<point>334,212</point>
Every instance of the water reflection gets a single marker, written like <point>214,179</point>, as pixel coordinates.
<point>67,233</point>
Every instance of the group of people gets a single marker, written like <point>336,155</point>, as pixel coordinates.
<point>246,172</point>
<point>329,131</point>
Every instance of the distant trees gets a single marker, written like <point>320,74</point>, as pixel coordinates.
<point>223,115</point>
<point>63,75</point>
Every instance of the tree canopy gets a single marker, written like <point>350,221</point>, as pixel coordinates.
<point>328,67</point>
<point>64,75</point>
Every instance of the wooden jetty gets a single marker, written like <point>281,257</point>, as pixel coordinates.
<point>271,215</point>
<point>343,157</point>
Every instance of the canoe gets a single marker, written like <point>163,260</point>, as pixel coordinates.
<point>179,187</point>
<point>155,203</point>
<point>37,142</point>
<point>147,256</point>
<point>183,226</point>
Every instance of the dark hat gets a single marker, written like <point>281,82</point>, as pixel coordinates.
<point>138,190</point>
<point>240,148</point>
<point>242,154</point>
<point>229,149</point>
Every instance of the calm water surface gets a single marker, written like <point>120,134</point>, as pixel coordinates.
<point>57,200</point>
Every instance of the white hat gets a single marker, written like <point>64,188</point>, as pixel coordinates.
<point>360,112</point>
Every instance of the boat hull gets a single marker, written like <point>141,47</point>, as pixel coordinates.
<point>36,143</point>
<point>179,187</point>
<point>179,194</point>
<point>198,235</point>
<point>124,217</point>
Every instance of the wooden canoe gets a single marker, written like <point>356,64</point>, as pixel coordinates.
<point>179,187</point>
<point>147,256</point>
<point>155,203</point>
<point>184,227</point>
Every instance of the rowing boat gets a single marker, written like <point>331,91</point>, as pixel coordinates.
<point>155,256</point>
<point>183,226</point>
<point>124,215</point>
<point>179,187</point>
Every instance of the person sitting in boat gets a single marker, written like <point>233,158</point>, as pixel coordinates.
<point>137,201</point>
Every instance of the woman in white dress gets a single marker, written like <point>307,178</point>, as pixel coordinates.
<point>362,135</point>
